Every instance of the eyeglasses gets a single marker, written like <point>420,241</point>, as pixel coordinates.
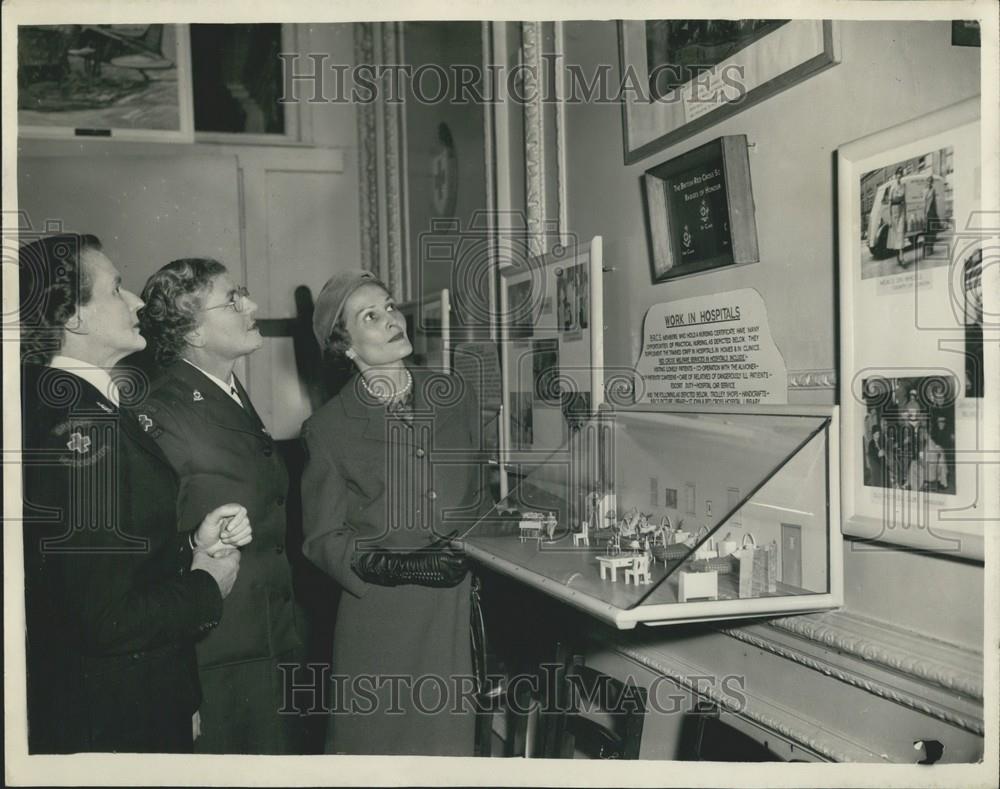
<point>237,302</point>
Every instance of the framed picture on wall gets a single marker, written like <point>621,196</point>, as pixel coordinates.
<point>912,334</point>
<point>125,82</point>
<point>689,74</point>
<point>700,210</point>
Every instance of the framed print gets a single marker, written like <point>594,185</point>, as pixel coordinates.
<point>428,325</point>
<point>237,81</point>
<point>126,82</point>
<point>911,334</point>
<point>551,352</point>
<point>700,211</point>
<point>689,74</point>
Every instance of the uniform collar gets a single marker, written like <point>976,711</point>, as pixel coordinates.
<point>96,376</point>
<point>225,387</point>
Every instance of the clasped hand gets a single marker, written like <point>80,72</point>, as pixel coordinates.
<point>223,530</point>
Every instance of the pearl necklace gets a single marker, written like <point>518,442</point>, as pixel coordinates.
<point>395,395</point>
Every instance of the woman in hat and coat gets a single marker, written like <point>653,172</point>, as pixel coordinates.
<point>390,476</point>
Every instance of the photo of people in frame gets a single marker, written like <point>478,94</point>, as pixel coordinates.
<point>907,214</point>
<point>520,310</point>
<point>972,279</point>
<point>545,370</point>
<point>522,433</point>
<point>573,298</point>
<point>909,433</point>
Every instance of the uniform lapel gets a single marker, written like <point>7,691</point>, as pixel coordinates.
<point>212,403</point>
<point>248,404</point>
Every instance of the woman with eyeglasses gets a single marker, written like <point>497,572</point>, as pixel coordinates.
<point>198,323</point>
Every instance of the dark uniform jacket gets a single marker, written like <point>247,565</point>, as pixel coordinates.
<point>112,606</point>
<point>223,453</point>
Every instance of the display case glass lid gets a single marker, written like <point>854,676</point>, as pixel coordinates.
<point>657,515</point>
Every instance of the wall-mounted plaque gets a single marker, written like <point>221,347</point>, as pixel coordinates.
<point>700,210</point>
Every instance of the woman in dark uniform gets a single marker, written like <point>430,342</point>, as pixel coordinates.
<point>199,323</point>
<point>390,473</point>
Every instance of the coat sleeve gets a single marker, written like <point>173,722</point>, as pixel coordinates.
<point>103,571</point>
<point>328,539</point>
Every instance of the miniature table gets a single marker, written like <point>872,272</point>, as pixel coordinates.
<point>612,563</point>
<point>530,529</point>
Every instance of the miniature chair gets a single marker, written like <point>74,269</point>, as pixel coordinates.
<point>639,571</point>
<point>582,536</point>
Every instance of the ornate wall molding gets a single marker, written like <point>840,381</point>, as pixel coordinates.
<point>940,680</point>
<point>536,201</point>
<point>394,162</point>
<point>382,164</point>
<point>812,379</point>
<point>364,52</point>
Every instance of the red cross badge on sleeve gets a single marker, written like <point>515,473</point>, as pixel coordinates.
<point>78,442</point>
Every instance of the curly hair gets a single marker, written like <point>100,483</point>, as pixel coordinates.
<point>53,284</point>
<point>174,299</point>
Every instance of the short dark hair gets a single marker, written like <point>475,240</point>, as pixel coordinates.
<point>173,297</point>
<point>53,284</point>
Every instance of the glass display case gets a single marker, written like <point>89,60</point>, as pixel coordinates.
<point>657,515</point>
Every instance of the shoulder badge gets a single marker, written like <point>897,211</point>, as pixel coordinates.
<point>198,396</point>
<point>79,443</point>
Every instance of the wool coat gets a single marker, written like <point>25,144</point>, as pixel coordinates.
<point>401,655</point>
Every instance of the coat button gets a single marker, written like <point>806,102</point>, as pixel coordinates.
<point>280,500</point>
<point>268,451</point>
<point>420,452</point>
<point>432,494</point>
<point>279,548</point>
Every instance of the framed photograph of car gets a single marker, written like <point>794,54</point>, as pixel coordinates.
<point>909,203</point>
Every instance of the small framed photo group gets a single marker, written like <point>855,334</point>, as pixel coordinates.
<point>911,326</point>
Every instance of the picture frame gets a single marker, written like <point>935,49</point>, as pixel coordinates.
<point>700,211</point>
<point>908,412</point>
<point>121,82</point>
<point>251,95</point>
<point>428,325</point>
<point>662,110</point>
<point>541,406</point>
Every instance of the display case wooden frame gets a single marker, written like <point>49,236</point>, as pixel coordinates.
<point>902,335</point>
<point>726,159</point>
<point>795,51</point>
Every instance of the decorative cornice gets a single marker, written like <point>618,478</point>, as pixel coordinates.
<point>364,52</point>
<point>847,640</point>
<point>812,379</point>
<point>534,135</point>
<point>880,659</point>
<point>798,730</point>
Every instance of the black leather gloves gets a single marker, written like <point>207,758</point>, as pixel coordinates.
<point>438,565</point>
